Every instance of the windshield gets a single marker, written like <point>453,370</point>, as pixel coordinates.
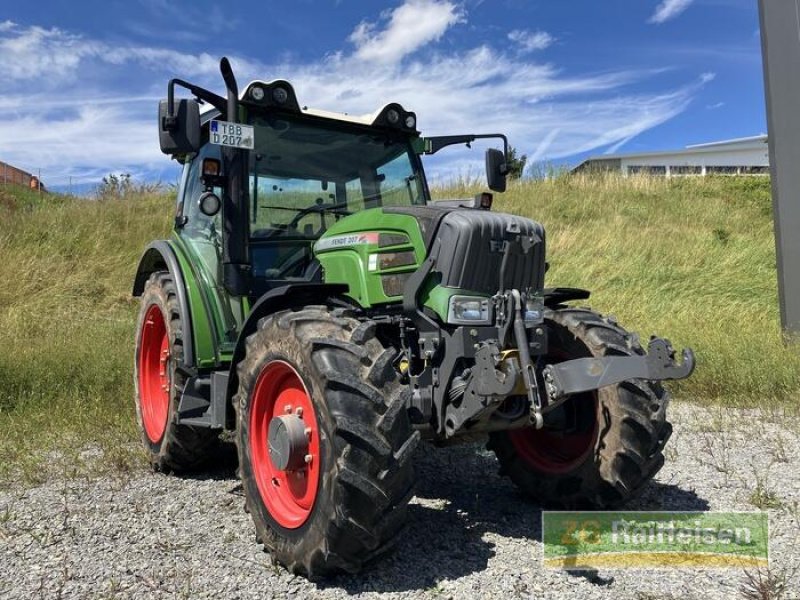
<point>305,177</point>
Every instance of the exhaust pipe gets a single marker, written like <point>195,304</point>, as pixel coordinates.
<point>235,264</point>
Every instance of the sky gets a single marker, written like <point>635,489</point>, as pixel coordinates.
<point>564,80</point>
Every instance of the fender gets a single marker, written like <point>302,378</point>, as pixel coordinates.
<point>555,296</point>
<point>293,294</point>
<point>158,256</point>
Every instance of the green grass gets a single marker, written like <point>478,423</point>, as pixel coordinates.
<point>691,259</point>
<point>66,325</point>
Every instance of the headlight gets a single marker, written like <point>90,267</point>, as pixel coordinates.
<point>468,310</point>
<point>534,309</point>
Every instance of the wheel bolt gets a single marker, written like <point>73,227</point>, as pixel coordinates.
<point>287,408</point>
<point>308,458</point>
<point>299,411</point>
<point>308,431</point>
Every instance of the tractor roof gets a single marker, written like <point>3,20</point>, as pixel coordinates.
<point>391,115</point>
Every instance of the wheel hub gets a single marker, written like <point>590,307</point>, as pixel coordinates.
<point>288,442</point>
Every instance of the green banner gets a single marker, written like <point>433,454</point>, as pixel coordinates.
<point>576,540</point>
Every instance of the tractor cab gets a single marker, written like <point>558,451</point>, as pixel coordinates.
<point>301,171</point>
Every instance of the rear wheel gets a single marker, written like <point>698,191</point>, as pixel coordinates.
<point>599,448</point>
<point>159,383</point>
<point>324,440</point>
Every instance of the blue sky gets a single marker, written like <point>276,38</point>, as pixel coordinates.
<point>563,79</point>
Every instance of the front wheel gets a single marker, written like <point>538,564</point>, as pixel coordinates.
<point>598,448</point>
<point>159,383</point>
<point>324,440</point>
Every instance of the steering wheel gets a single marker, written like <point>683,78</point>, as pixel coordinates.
<point>293,262</point>
<point>321,207</point>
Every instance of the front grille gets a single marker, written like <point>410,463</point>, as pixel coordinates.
<point>470,244</point>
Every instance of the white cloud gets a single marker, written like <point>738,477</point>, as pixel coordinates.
<point>52,56</point>
<point>529,41</point>
<point>85,143</point>
<point>661,109</point>
<point>541,150</point>
<point>668,9</point>
<point>36,52</point>
<point>707,77</point>
<point>411,26</point>
<point>91,127</point>
<point>615,148</point>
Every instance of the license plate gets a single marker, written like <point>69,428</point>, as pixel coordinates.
<point>234,135</point>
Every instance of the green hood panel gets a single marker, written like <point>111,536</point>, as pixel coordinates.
<point>373,252</point>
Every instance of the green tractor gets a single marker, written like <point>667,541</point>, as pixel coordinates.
<point>315,303</point>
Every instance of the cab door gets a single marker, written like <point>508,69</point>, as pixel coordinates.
<point>200,237</point>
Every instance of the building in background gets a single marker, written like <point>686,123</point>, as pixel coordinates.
<point>742,156</point>
<point>12,175</point>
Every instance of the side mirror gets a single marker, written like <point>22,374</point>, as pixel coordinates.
<point>179,133</point>
<point>496,170</point>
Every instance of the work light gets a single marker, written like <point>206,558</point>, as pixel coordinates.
<point>468,310</point>
<point>534,309</point>
<point>280,95</point>
<point>257,93</point>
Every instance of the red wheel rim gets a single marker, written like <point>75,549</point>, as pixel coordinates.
<point>154,374</point>
<point>554,452</point>
<point>288,495</point>
<point>558,452</point>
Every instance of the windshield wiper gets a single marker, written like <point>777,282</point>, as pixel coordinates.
<point>292,208</point>
<point>337,208</point>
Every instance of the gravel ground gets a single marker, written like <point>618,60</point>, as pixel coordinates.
<point>470,535</point>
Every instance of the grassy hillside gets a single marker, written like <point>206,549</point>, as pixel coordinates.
<point>66,325</point>
<point>691,259</point>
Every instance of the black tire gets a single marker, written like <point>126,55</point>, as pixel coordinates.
<point>180,447</point>
<point>625,449</point>
<point>365,439</point>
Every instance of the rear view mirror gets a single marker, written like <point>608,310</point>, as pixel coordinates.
<point>496,170</point>
<point>179,133</point>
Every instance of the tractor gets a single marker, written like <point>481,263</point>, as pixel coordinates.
<point>318,307</point>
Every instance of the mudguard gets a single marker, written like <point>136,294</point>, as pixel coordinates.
<point>555,296</point>
<point>159,256</point>
<point>295,294</point>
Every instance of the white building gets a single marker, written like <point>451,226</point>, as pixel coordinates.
<point>742,156</point>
